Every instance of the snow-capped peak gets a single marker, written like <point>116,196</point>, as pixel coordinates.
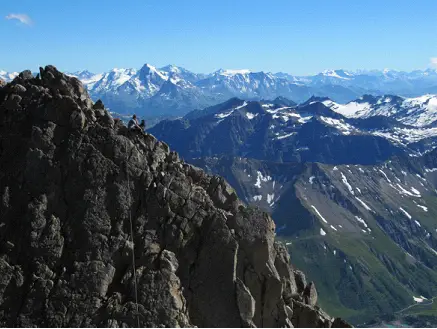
<point>148,69</point>
<point>229,72</point>
<point>339,74</point>
<point>83,72</point>
<point>83,75</point>
<point>172,69</point>
<point>7,76</point>
<point>417,111</point>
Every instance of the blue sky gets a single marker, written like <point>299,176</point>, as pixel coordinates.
<point>295,36</point>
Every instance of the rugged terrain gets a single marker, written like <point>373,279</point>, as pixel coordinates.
<point>355,188</point>
<point>100,226</point>
<point>366,234</point>
<point>283,132</point>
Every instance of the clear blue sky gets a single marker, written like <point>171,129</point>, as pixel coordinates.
<point>295,36</point>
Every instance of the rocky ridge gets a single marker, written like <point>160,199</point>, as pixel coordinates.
<point>84,201</point>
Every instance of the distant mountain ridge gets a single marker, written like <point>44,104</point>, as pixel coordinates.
<point>173,90</point>
<point>315,131</point>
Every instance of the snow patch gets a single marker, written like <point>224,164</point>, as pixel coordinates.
<point>415,191</point>
<point>286,135</point>
<point>363,204</point>
<point>257,197</point>
<point>421,177</point>
<point>351,110</point>
<point>405,212</point>
<point>362,221</point>
<point>345,128</point>
<point>228,113</point>
<point>318,214</point>
<point>345,182</point>
<point>404,191</point>
<point>260,178</point>
<point>250,116</point>
<point>418,299</point>
<point>385,175</point>
<point>322,233</point>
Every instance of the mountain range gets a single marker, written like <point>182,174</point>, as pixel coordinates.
<point>174,91</point>
<point>316,130</point>
<point>352,188</point>
<point>102,226</point>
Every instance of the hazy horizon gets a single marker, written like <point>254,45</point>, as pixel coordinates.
<point>356,71</point>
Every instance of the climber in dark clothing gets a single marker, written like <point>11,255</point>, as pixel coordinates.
<point>143,125</point>
<point>133,123</point>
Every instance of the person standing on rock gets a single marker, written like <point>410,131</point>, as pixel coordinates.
<point>133,123</point>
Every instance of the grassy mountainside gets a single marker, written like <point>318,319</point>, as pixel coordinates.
<point>365,234</point>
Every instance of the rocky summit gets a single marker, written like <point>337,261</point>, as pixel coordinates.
<point>102,226</point>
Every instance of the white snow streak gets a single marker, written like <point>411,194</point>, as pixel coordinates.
<point>363,204</point>
<point>405,212</point>
<point>318,214</point>
<point>345,182</point>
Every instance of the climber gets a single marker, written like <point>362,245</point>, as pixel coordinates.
<point>143,125</point>
<point>133,123</point>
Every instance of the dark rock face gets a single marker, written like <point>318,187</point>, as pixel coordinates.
<point>84,201</point>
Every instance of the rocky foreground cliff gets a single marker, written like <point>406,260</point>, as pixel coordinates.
<point>84,201</point>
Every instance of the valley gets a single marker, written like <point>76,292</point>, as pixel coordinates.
<point>356,207</point>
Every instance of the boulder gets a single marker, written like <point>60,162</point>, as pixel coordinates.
<point>245,302</point>
<point>310,294</point>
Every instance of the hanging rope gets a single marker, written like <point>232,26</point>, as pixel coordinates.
<point>133,245</point>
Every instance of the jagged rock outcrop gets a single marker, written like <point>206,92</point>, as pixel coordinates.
<point>84,201</point>
<point>2,83</point>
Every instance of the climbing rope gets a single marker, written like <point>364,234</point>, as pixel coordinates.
<point>133,245</point>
